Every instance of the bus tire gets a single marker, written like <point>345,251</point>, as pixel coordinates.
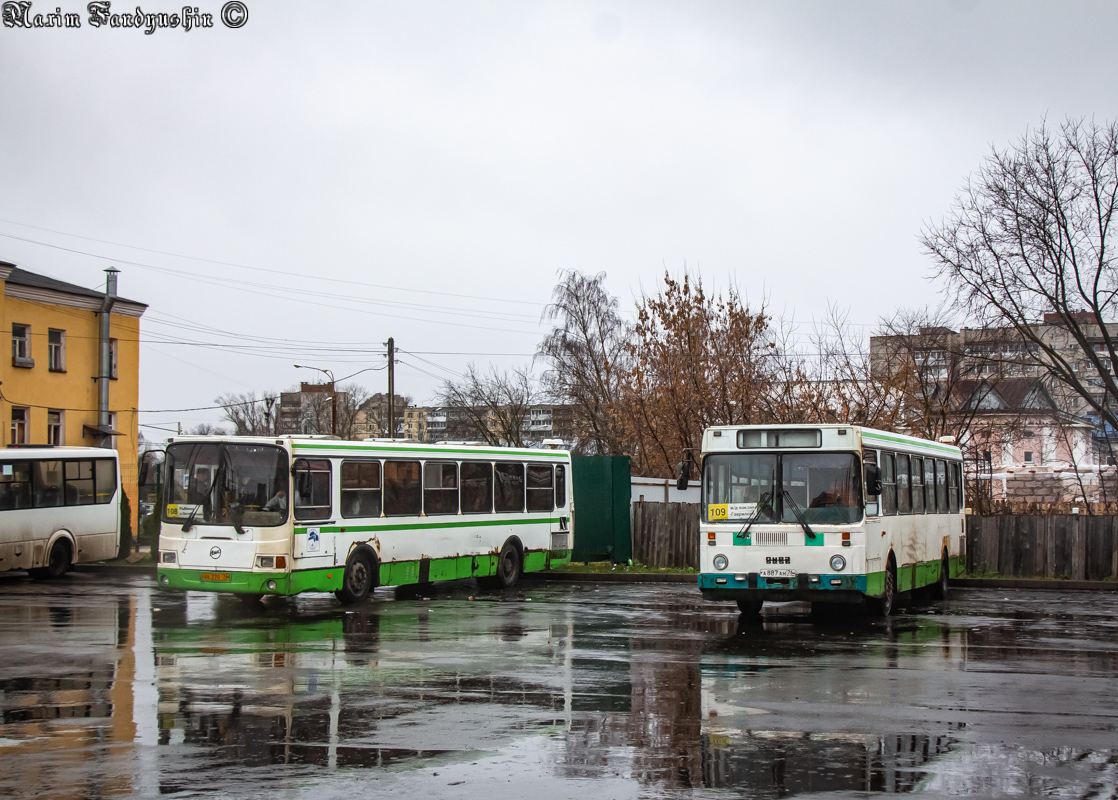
<point>939,589</point>
<point>888,600</point>
<point>508,566</point>
<point>750,608</point>
<point>58,561</point>
<point>357,581</point>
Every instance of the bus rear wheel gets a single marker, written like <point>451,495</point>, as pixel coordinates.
<point>888,599</point>
<point>508,566</point>
<point>58,562</point>
<point>939,589</point>
<point>357,581</point>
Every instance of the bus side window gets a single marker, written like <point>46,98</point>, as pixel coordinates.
<point>941,486</point>
<point>360,488</point>
<point>904,497</point>
<point>312,489</point>
<point>79,483</point>
<point>509,494</point>
<point>403,489</point>
<point>953,487</point>
<point>46,478</point>
<point>15,485</point>
<point>104,470</point>
<point>917,485</point>
<point>888,484</point>
<point>477,487</point>
<point>930,486</point>
<point>541,493</point>
<point>440,487</point>
<point>560,486</point>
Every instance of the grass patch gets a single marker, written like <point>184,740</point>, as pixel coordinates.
<point>624,569</point>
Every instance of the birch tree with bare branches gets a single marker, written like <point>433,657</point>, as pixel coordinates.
<point>1028,241</point>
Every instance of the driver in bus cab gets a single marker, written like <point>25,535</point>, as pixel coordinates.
<point>278,502</point>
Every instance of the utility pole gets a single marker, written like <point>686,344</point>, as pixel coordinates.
<point>391,389</point>
<point>333,407</point>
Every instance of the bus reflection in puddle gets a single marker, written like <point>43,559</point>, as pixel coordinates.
<point>792,762</point>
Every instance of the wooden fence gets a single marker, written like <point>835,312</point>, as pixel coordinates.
<point>666,534</point>
<point>1079,547</point>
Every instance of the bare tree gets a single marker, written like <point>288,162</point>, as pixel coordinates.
<point>1028,241</point>
<point>375,409</point>
<point>317,410</point>
<point>492,407</point>
<point>854,391</point>
<point>587,355</point>
<point>248,414</point>
<point>696,359</point>
<point>206,429</point>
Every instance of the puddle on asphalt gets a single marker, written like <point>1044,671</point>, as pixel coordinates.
<point>129,691</point>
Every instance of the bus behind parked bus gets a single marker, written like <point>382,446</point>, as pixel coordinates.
<point>59,506</point>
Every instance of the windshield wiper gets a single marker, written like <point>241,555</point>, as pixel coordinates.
<point>186,526</point>
<point>799,514</point>
<point>767,497</point>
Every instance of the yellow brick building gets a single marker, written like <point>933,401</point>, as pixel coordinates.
<point>49,387</point>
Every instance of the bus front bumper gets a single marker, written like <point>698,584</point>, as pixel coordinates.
<point>242,582</point>
<point>802,587</point>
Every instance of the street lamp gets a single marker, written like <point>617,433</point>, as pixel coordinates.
<point>333,397</point>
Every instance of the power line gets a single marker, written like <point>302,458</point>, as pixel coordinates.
<point>245,266</point>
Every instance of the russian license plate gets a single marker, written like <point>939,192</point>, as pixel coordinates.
<point>778,573</point>
<point>215,576</point>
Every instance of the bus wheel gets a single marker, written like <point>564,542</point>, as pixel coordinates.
<point>358,579</point>
<point>886,602</point>
<point>939,590</point>
<point>750,608</point>
<point>58,562</point>
<point>508,566</point>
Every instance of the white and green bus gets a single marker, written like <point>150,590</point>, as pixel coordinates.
<point>827,514</point>
<point>291,514</point>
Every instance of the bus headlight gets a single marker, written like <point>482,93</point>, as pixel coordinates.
<point>167,556</point>
<point>838,563</point>
<point>271,586</point>
<point>164,580</point>
<point>266,562</point>
<point>721,562</point>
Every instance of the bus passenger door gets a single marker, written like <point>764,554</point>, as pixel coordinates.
<point>315,546</point>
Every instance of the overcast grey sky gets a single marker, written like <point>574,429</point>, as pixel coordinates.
<point>341,173</point>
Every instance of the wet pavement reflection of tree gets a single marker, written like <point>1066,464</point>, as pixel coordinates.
<point>117,689</point>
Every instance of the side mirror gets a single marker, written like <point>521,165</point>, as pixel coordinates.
<point>873,480</point>
<point>144,464</point>
<point>683,475</point>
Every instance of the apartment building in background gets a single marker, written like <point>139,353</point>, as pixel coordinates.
<point>49,388</point>
<point>1021,425</point>
<point>446,423</point>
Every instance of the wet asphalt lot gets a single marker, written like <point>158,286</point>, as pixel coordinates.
<point>110,687</point>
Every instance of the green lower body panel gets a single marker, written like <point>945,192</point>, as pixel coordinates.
<point>915,576</point>
<point>309,580</point>
<point>396,573</point>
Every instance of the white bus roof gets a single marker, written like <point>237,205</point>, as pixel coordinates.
<point>306,445</point>
<point>832,438</point>
<point>58,451</point>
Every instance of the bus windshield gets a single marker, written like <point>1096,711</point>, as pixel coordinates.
<point>219,483</point>
<point>826,486</point>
